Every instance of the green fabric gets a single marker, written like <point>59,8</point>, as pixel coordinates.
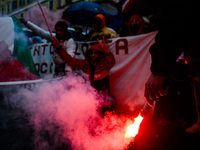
<point>21,49</point>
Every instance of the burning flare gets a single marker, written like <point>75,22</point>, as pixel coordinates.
<point>133,129</point>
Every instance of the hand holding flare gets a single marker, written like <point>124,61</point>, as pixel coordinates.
<point>56,43</point>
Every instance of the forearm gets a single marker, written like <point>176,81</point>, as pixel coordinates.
<point>73,62</point>
<point>39,31</point>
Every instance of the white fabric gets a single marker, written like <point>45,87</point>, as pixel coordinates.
<point>128,76</point>
<point>7,32</point>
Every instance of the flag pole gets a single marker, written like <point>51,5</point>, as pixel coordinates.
<point>44,18</point>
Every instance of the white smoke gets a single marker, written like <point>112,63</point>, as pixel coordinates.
<point>64,112</point>
<point>35,16</point>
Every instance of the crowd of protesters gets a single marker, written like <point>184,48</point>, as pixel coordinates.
<point>97,62</point>
<point>136,24</point>
<point>100,31</point>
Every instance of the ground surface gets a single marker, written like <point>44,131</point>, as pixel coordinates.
<point>165,131</point>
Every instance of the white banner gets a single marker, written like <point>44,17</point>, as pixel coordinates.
<point>127,77</point>
<point>43,58</point>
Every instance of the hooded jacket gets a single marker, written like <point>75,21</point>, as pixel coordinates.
<point>99,75</point>
<point>104,29</point>
<point>136,28</point>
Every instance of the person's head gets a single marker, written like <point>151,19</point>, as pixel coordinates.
<point>61,29</point>
<point>136,24</point>
<point>36,39</point>
<point>94,54</point>
<point>78,30</point>
<point>99,22</point>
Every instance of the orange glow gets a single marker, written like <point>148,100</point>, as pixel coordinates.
<point>133,129</point>
<point>186,62</point>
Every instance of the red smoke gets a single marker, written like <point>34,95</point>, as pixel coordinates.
<point>67,109</point>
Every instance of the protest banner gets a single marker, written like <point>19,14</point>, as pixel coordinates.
<point>127,77</point>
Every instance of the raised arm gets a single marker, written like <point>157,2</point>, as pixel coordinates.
<point>39,31</point>
<point>108,55</point>
<point>73,62</point>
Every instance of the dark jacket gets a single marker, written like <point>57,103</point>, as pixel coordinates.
<point>178,22</point>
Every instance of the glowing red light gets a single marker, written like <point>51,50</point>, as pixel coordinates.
<point>133,129</point>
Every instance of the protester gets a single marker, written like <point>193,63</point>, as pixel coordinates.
<point>175,35</point>
<point>122,30</point>
<point>100,29</point>
<point>36,39</point>
<point>63,36</point>
<point>96,65</point>
<point>78,35</point>
<point>136,25</point>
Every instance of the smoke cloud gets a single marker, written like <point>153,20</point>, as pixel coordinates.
<point>35,16</point>
<point>64,113</point>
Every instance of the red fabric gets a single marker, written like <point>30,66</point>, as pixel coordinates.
<point>127,6</point>
<point>15,71</point>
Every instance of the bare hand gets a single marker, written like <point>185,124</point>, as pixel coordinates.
<point>104,46</point>
<point>55,42</point>
<point>155,88</point>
